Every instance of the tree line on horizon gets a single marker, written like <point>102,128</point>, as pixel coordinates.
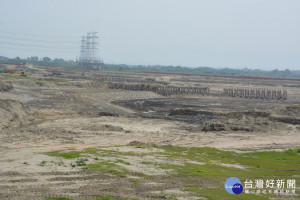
<point>159,68</point>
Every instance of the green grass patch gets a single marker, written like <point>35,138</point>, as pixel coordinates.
<point>81,161</point>
<point>108,167</point>
<point>147,163</point>
<point>122,161</point>
<point>71,154</point>
<point>43,163</point>
<point>66,155</point>
<point>258,165</point>
<point>14,181</point>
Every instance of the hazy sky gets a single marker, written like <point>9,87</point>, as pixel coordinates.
<point>217,33</point>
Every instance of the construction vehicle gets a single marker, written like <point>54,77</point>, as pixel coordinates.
<point>7,71</point>
<point>23,73</point>
<point>12,71</point>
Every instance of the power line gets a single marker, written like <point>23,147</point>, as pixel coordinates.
<point>37,35</point>
<point>89,53</point>
<point>46,43</point>
<point>39,50</point>
<point>35,40</point>
<point>42,46</point>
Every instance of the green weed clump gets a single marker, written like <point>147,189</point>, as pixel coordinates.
<point>14,181</point>
<point>108,167</point>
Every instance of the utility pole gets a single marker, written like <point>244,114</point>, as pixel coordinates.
<point>89,53</point>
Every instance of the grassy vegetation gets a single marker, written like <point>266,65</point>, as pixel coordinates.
<point>147,163</point>
<point>66,155</point>
<point>122,161</point>
<point>258,164</point>
<point>211,164</point>
<point>81,161</point>
<point>108,167</point>
<point>43,163</point>
<point>93,151</point>
<point>14,181</point>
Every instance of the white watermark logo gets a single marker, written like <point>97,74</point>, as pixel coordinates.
<point>270,186</point>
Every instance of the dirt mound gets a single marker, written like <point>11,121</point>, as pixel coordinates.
<point>136,143</point>
<point>12,113</point>
<point>5,86</point>
<point>213,127</point>
<point>291,111</point>
<point>243,121</point>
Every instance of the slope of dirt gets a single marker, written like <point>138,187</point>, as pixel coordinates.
<point>5,86</point>
<point>12,113</point>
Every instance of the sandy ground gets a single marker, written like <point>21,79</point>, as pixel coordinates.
<point>39,117</point>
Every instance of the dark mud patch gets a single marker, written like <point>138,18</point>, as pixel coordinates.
<point>175,110</point>
<point>286,120</point>
<point>214,115</point>
<point>204,104</point>
<point>213,127</point>
<point>107,114</point>
<point>248,113</point>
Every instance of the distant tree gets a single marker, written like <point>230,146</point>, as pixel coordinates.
<point>3,58</point>
<point>35,58</point>
<point>18,58</point>
<point>46,59</point>
<point>58,60</point>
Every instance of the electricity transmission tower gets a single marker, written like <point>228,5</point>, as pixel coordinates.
<point>89,53</point>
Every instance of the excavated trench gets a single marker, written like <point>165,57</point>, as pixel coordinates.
<point>211,115</point>
<point>171,109</point>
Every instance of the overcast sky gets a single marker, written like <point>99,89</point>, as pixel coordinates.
<point>261,34</point>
